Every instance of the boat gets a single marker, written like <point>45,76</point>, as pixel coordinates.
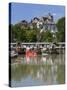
<point>31,53</point>
<point>13,53</point>
<point>44,52</point>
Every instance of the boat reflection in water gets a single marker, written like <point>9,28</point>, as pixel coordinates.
<point>38,70</point>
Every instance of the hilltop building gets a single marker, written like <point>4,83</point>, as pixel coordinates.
<point>44,23</point>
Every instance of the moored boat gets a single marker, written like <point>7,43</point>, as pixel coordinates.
<point>13,53</point>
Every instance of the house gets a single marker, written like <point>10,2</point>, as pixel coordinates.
<point>44,23</point>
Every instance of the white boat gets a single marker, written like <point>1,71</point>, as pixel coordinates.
<point>44,52</point>
<point>14,53</point>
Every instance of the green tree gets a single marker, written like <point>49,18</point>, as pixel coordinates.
<point>61,30</point>
<point>31,36</point>
<point>46,36</point>
<point>23,34</point>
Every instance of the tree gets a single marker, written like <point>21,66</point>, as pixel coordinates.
<point>61,30</point>
<point>23,35</point>
<point>31,36</point>
<point>46,36</point>
<point>16,33</point>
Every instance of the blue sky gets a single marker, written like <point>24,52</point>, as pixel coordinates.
<point>21,11</point>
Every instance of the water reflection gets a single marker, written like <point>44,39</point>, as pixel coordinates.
<point>40,70</point>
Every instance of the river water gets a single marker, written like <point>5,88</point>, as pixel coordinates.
<point>39,70</point>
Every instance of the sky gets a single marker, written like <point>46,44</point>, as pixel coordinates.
<point>23,11</point>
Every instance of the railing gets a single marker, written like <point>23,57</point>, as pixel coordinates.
<point>38,43</point>
<point>41,44</point>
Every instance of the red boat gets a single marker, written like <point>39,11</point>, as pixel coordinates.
<point>31,53</point>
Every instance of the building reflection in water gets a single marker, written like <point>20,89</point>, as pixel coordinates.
<point>44,70</point>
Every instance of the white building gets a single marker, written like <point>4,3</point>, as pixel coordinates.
<point>45,23</point>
